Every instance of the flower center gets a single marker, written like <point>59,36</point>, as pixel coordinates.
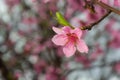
<point>72,37</point>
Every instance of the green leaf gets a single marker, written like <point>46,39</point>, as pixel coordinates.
<point>62,20</point>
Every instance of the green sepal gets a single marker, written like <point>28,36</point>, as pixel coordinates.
<point>62,20</point>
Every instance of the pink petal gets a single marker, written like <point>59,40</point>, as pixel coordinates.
<point>69,49</point>
<point>57,30</point>
<point>46,1</point>
<point>66,29</point>
<point>81,46</point>
<point>60,39</point>
<point>117,3</point>
<point>78,32</point>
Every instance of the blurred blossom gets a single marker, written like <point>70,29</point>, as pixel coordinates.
<point>97,53</point>
<point>117,68</point>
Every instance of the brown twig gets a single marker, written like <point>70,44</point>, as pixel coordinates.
<point>107,7</point>
<point>89,27</point>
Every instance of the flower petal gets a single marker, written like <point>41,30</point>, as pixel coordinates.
<point>117,3</point>
<point>81,46</point>
<point>78,32</point>
<point>69,49</point>
<point>57,30</point>
<point>66,29</point>
<point>60,39</point>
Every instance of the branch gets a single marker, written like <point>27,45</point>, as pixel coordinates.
<point>89,27</point>
<point>107,7</point>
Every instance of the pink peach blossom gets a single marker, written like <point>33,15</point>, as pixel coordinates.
<point>117,3</point>
<point>70,39</point>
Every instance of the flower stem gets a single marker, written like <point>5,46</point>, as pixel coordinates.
<point>89,27</point>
